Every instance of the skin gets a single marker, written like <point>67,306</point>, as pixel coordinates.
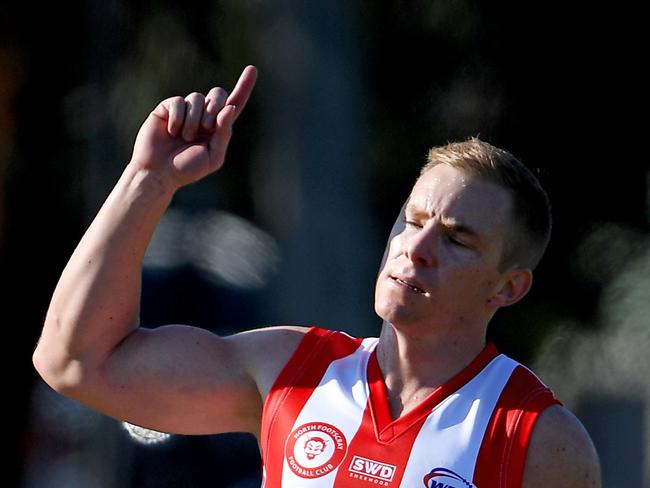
<point>450,249</point>
<point>92,348</point>
<point>170,378</point>
<point>429,335</point>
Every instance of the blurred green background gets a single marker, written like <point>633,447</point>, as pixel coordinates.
<point>349,98</point>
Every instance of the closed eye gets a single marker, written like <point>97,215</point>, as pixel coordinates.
<point>456,241</point>
<point>412,223</point>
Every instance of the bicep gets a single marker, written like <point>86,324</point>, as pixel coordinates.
<point>561,453</point>
<point>187,380</point>
<point>177,379</point>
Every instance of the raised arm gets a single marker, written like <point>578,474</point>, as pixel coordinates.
<point>174,378</point>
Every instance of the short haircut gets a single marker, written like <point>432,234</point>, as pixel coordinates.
<point>530,231</point>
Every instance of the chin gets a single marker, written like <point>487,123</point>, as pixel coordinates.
<point>396,315</point>
<point>399,307</point>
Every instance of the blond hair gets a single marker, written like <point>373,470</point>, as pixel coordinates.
<point>530,231</point>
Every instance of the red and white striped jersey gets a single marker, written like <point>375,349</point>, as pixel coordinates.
<point>327,422</point>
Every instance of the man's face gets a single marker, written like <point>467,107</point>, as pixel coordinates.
<point>443,268</point>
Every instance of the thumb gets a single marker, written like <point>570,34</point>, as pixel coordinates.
<point>226,117</point>
<point>224,122</point>
<point>221,136</point>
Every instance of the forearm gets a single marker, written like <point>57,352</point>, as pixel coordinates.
<point>96,303</point>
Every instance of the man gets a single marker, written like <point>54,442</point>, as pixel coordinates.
<point>426,404</point>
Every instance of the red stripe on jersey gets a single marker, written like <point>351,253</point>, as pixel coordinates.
<point>299,377</point>
<point>377,457</point>
<point>502,455</point>
<point>387,428</point>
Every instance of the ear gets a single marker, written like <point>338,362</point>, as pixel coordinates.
<point>514,286</point>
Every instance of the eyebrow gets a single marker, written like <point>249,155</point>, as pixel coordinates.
<point>450,225</point>
<point>460,229</point>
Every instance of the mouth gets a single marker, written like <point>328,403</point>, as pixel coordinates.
<point>411,286</point>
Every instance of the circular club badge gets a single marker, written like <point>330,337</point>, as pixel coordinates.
<point>315,449</point>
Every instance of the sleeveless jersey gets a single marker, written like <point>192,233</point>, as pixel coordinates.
<point>327,423</point>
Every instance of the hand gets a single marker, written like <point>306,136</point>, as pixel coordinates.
<point>185,139</point>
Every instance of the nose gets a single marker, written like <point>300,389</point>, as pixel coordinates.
<point>421,247</point>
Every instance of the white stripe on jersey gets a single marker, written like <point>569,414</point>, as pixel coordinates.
<point>335,431</point>
<point>344,385</point>
<point>458,424</point>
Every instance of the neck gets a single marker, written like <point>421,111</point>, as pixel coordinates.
<point>415,365</point>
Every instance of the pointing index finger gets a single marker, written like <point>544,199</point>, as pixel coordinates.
<point>243,89</point>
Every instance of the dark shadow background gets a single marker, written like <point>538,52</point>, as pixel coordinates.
<point>350,97</point>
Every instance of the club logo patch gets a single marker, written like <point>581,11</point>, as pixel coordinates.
<point>315,449</point>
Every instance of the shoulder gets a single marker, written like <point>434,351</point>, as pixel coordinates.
<point>561,453</point>
<point>264,352</point>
